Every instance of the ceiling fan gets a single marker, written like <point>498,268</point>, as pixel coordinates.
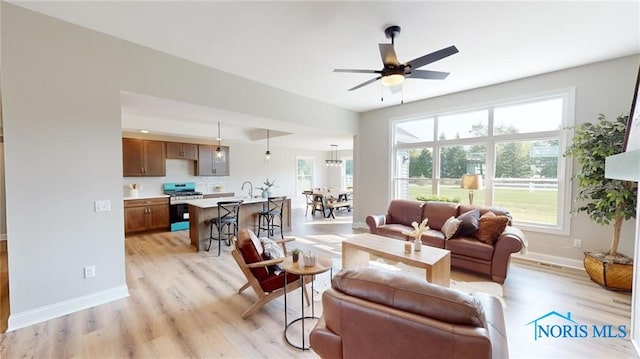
<point>394,73</point>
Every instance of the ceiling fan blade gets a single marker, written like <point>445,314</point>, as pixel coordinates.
<point>432,57</point>
<point>388,54</point>
<point>429,75</point>
<point>366,83</point>
<point>358,71</point>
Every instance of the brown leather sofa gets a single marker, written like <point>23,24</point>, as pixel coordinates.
<point>467,252</point>
<point>371,313</point>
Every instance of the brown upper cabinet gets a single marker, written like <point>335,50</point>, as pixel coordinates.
<point>182,151</point>
<point>143,158</point>
<point>209,164</point>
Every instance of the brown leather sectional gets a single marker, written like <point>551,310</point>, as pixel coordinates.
<point>467,252</point>
<point>372,313</point>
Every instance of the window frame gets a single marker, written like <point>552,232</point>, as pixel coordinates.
<point>313,173</point>
<point>563,135</point>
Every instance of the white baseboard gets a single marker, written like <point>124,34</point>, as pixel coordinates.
<point>549,260</point>
<point>3,236</point>
<point>360,225</point>
<point>48,312</point>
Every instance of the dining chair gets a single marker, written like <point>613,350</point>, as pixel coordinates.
<point>318,204</point>
<point>228,216</point>
<point>309,198</point>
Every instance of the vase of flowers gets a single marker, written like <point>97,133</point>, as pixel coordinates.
<point>266,189</point>
<point>418,229</point>
<point>134,190</point>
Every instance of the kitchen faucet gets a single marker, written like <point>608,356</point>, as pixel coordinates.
<point>250,188</point>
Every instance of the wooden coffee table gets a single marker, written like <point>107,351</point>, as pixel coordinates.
<point>436,261</point>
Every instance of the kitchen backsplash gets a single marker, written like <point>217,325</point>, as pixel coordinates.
<point>177,171</point>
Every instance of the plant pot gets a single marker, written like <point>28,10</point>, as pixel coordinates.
<point>295,257</point>
<point>609,271</point>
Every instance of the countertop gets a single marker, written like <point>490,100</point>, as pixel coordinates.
<point>213,202</point>
<point>127,198</point>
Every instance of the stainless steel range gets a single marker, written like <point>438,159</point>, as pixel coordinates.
<point>179,193</point>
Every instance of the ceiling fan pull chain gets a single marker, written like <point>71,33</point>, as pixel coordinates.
<point>381,94</point>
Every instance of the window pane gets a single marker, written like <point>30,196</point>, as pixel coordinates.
<point>348,174</point>
<point>527,180</point>
<point>463,125</point>
<point>530,117</point>
<point>414,131</point>
<point>455,162</point>
<point>304,173</point>
<point>414,172</point>
<point>414,188</point>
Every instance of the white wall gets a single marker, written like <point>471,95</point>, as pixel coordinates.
<point>61,89</point>
<point>605,87</point>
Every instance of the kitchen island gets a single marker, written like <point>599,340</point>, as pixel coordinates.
<point>201,211</point>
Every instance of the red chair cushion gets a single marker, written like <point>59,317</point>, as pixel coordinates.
<point>251,255</point>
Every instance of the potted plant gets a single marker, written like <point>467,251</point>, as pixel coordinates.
<point>604,200</point>
<point>266,189</point>
<point>295,254</point>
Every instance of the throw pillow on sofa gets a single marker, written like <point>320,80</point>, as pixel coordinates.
<point>469,222</point>
<point>490,227</point>
<point>450,227</point>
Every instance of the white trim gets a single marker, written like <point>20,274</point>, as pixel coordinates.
<point>359,225</point>
<point>3,236</point>
<point>541,258</point>
<point>490,141</point>
<point>51,311</point>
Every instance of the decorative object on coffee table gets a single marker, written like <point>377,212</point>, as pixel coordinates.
<point>604,200</point>
<point>418,229</point>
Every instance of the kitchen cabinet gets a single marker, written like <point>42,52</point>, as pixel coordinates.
<point>143,158</point>
<point>182,151</point>
<point>146,214</point>
<point>209,164</point>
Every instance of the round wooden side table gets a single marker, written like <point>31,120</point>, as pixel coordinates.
<point>323,265</point>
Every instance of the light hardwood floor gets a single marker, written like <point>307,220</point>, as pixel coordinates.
<point>185,304</point>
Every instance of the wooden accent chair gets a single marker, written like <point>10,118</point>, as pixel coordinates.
<point>265,280</point>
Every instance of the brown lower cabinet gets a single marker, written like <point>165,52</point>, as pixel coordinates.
<point>146,214</point>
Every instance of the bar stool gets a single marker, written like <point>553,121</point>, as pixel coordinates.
<point>266,218</point>
<point>229,216</point>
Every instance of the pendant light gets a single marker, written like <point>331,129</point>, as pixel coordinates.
<point>218,149</point>
<point>267,155</point>
<point>334,161</point>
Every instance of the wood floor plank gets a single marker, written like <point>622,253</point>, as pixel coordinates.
<point>185,304</point>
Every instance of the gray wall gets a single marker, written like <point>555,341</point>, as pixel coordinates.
<point>605,87</point>
<point>61,102</point>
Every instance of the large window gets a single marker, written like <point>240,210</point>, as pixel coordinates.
<point>515,147</point>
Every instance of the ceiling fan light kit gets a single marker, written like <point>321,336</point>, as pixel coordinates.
<point>392,80</point>
<point>393,72</point>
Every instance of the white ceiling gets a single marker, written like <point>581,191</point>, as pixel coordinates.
<point>295,46</point>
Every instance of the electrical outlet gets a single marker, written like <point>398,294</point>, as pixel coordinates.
<point>89,272</point>
<point>103,206</point>
<point>577,243</point>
